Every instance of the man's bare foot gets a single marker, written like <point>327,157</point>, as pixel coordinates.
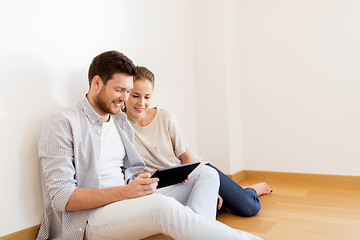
<point>261,188</point>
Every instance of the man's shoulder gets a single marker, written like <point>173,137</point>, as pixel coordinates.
<point>70,113</point>
<point>65,115</point>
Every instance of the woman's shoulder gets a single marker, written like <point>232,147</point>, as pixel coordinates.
<point>165,113</point>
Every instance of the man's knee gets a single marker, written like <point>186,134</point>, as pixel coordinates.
<point>159,202</point>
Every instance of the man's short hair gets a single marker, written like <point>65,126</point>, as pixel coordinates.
<point>107,63</point>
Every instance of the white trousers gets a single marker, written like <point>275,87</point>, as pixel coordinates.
<point>199,193</point>
<point>182,211</point>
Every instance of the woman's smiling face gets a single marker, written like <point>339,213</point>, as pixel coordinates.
<point>139,98</point>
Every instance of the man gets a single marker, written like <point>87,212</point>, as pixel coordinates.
<point>92,179</point>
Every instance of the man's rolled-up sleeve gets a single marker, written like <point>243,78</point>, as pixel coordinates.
<point>56,154</point>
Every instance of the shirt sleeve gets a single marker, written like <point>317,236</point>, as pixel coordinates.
<point>176,135</point>
<point>55,149</point>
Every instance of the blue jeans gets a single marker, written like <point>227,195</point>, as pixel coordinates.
<point>241,202</point>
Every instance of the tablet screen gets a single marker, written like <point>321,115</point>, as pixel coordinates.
<point>173,175</point>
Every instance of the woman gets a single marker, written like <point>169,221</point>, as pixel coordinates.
<point>159,141</point>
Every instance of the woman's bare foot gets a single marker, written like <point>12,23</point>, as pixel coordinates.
<point>261,188</point>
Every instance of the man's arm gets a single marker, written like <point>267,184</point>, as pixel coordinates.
<point>83,198</point>
<point>56,154</point>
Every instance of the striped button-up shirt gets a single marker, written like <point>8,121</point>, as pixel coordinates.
<point>69,152</point>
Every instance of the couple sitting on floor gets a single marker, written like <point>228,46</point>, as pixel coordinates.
<point>95,163</point>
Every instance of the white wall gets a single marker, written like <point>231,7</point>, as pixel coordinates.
<point>300,85</point>
<point>218,86</point>
<point>211,84</point>
<point>46,49</point>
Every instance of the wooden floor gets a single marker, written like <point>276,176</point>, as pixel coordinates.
<point>301,207</point>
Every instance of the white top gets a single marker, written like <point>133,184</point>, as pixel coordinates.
<point>160,143</point>
<point>112,153</point>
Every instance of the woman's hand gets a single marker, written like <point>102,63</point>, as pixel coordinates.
<point>187,179</point>
<point>220,202</point>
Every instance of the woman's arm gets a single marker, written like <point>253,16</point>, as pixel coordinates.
<point>186,157</point>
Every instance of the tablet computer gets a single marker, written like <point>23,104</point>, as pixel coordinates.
<point>173,175</point>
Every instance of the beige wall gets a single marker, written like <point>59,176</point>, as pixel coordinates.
<point>300,83</point>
